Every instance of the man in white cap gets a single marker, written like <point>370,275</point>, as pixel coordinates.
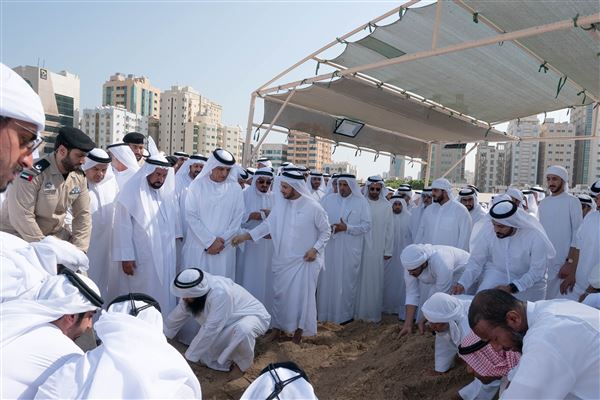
<point>38,335</point>
<point>393,275</point>
<point>377,250</point>
<point>124,162</point>
<point>299,229</point>
<point>214,211</point>
<point>468,198</point>
<point>146,226</point>
<point>446,221</point>
<point>103,189</point>
<point>428,269</point>
<point>316,185</point>
<point>513,256</point>
<point>230,319</point>
<point>558,342</point>
<point>189,170</point>
<point>264,162</point>
<point>254,258</point>
<point>350,219</point>
<point>417,212</point>
<point>134,361</point>
<point>21,121</point>
<point>516,196</point>
<point>560,215</point>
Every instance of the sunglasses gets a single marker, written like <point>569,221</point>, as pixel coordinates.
<point>373,189</point>
<point>32,144</point>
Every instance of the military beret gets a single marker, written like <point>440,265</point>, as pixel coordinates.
<point>74,138</point>
<point>134,138</point>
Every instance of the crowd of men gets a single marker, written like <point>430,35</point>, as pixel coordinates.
<point>198,249</point>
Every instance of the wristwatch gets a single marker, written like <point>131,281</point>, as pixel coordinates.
<point>513,288</point>
<point>570,260</point>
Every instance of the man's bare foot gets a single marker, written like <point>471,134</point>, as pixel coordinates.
<point>297,339</point>
<point>274,335</point>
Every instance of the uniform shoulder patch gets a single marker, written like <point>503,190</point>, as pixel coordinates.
<point>40,165</point>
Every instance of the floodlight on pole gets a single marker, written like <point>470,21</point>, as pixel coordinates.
<point>347,127</point>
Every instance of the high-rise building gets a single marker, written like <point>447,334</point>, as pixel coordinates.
<point>276,152</point>
<point>60,98</point>
<point>556,152</point>
<point>339,167</point>
<point>523,156</point>
<point>587,152</point>
<point>108,124</point>
<point>490,167</point>
<point>442,158</point>
<point>397,167</point>
<point>307,150</point>
<point>133,93</point>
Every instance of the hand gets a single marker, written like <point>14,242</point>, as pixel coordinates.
<point>129,267</point>
<point>341,226</point>
<point>255,216</point>
<point>311,255</point>
<point>240,238</point>
<point>216,247</point>
<point>567,285</point>
<point>583,296</point>
<point>406,329</point>
<point>421,325</point>
<point>457,289</point>
<point>387,257</point>
<point>566,270</point>
<point>506,288</point>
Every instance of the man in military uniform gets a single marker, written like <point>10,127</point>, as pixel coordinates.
<point>37,204</point>
<point>135,141</point>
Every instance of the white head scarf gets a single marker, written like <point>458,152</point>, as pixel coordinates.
<point>405,190</point>
<point>415,255</point>
<point>138,198</point>
<point>561,172</point>
<point>18,100</point>
<point>106,190</point>
<point>57,297</point>
<point>329,186</point>
<point>443,308</point>
<point>375,179</point>
<point>443,184</point>
<point>539,191</point>
<point>124,154</point>
<point>515,194</point>
<point>595,189</point>
<point>504,212</point>
<point>255,200</point>
<point>532,207</point>
<point>315,174</point>
<point>182,177</point>
<point>190,283</point>
<point>472,193</point>
<point>265,384</point>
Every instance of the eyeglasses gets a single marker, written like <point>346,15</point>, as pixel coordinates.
<point>374,189</point>
<point>32,144</point>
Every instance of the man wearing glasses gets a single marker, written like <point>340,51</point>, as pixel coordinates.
<point>37,204</point>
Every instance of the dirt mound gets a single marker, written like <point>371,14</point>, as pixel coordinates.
<point>356,361</point>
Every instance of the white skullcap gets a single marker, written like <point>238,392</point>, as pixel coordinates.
<point>443,184</point>
<point>442,307</point>
<point>559,171</point>
<point>515,193</point>
<point>191,282</point>
<point>18,100</point>
<point>415,255</point>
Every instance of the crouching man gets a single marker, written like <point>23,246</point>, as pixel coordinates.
<point>230,319</point>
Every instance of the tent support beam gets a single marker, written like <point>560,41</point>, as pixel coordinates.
<point>428,170</point>
<point>436,26</point>
<point>264,136</point>
<point>489,23</point>
<point>461,160</point>
<point>504,37</point>
<point>248,142</point>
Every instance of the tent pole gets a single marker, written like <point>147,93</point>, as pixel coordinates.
<point>264,136</point>
<point>428,170</point>
<point>504,37</point>
<point>248,142</point>
<point>461,160</point>
<point>436,26</point>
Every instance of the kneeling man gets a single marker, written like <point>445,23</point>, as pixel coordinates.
<point>230,319</point>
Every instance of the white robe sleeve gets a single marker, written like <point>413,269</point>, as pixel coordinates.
<point>464,230</point>
<point>443,274</point>
<point>260,231</point>
<point>324,229</point>
<point>477,259</point>
<point>576,220</point>
<point>237,218</point>
<point>412,289</point>
<point>538,265</point>
<point>364,225</point>
<point>195,224</point>
<point>420,234</point>
<point>122,238</point>
<point>389,235</point>
<point>219,311</point>
<point>176,320</point>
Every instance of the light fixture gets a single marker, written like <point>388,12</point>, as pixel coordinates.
<point>347,127</point>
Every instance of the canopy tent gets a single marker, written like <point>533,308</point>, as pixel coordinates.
<point>444,73</point>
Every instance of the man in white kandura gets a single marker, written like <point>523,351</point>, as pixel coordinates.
<point>369,302</point>
<point>103,189</point>
<point>558,340</point>
<point>468,198</point>
<point>214,210</point>
<point>230,319</point>
<point>513,256</point>
<point>134,361</point>
<point>299,229</point>
<point>124,162</point>
<point>146,226</point>
<point>428,269</point>
<point>254,258</point>
<point>393,275</point>
<point>316,185</point>
<point>38,335</point>
<point>184,177</point>
<point>445,221</point>
<point>417,212</point>
<point>560,215</point>
<point>350,219</point>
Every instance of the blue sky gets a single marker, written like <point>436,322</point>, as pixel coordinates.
<point>225,50</point>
